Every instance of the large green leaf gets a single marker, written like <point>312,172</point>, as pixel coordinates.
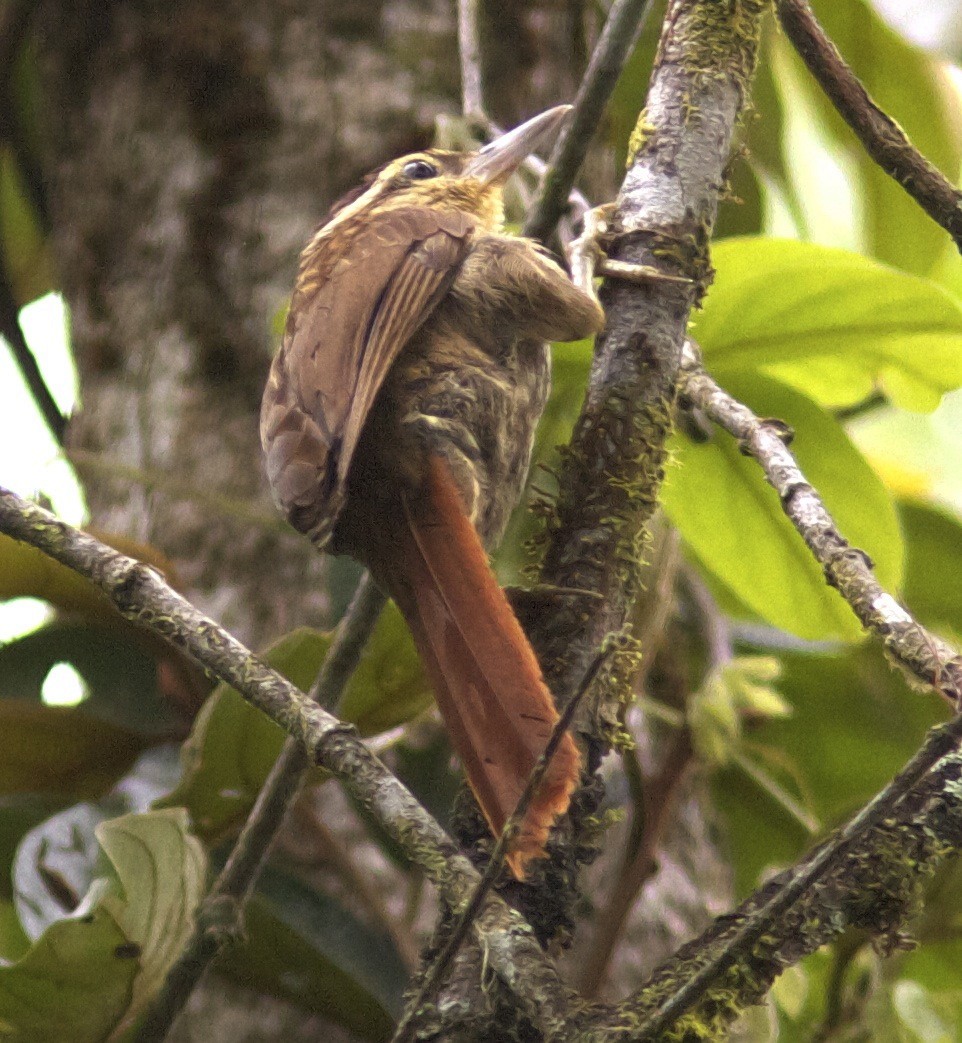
<point>121,677</point>
<point>89,975</point>
<point>732,520</point>
<point>233,745</point>
<point>307,947</point>
<point>834,324</point>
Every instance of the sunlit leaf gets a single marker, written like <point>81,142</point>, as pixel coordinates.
<point>834,324</point>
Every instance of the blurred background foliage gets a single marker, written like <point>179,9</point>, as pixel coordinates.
<point>836,306</point>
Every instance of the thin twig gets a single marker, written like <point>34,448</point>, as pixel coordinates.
<point>220,915</point>
<point>883,139</point>
<point>469,47</point>
<point>461,928</point>
<point>143,597</point>
<point>12,333</point>
<point>617,40</point>
<point>847,568</point>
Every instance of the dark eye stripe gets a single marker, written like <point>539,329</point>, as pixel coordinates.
<point>419,170</point>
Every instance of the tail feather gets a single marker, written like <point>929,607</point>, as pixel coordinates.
<point>495,704</point>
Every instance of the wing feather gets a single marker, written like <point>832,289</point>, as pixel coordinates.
<point>351,316</point>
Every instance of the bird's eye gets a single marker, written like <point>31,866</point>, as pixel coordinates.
<point>419,170</point>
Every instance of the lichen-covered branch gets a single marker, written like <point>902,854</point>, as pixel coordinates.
<point>883,139</point>
<point>142,596</point>
<point>220,917</point>
<point>870,875</point>
<point>847,568</point>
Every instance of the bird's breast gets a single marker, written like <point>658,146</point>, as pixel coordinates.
<point>473,398</point>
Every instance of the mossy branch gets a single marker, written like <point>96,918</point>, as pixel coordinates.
<point>869,874</point>
<point>612,471</point>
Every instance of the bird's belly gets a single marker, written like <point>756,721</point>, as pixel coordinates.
<point>475,409</point>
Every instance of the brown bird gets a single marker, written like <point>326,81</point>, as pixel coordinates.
<point>398,422</point>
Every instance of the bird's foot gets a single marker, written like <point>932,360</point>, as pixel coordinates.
<point>588,256</point>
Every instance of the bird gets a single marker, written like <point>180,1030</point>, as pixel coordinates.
<point>397,425</point>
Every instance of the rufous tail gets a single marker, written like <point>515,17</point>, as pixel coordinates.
<point>487,682</point>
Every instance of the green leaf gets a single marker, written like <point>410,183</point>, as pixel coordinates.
<point>89,975</point>
<point>25,254</point>
<point>933,565</point>
<point>305,946</point>
<point>832,323</point>
<point>742,686</point>
<point>57,858</point>
<point>733,523</point>
<point>233,746</point>
<point>855,722</point>
<point>388,688</point>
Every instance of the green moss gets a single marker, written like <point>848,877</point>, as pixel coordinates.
<point>641,136</point>
<point>720,39</point>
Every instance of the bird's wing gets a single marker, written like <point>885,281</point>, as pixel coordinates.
<point>349,319</point>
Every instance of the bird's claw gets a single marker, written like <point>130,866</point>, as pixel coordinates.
<point>588,256</point>
<point>590,248</point>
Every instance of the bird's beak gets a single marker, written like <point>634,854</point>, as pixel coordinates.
<point>496,162</point>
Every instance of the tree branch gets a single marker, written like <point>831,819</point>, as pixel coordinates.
<point>883,139</point>
<point>462,927</point>
<point>847,568</point>
<point>141,595</point>
<point>903,834</point>
<point>220,917</point>
<point>617,40</point>
<point>469,48</point>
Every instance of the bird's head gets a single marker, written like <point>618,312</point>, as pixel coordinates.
<point>470,182</point>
